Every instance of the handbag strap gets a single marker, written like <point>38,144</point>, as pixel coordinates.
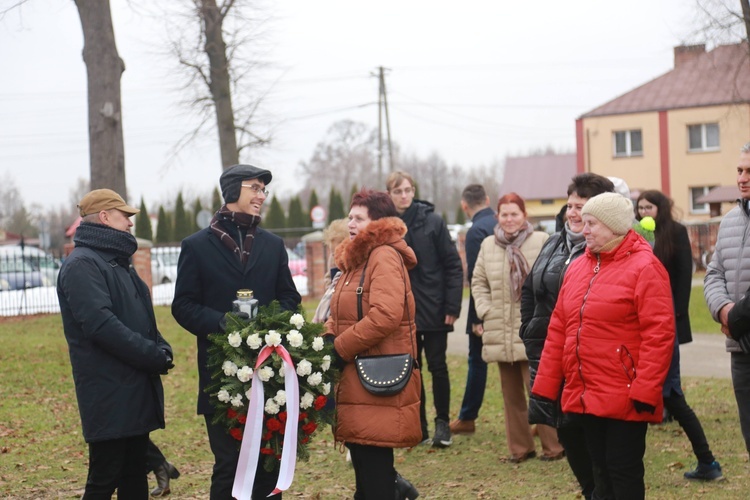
<point>360,289</point>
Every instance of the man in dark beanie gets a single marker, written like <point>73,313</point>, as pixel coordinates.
<point>231,254</point>
<point>112,337</point>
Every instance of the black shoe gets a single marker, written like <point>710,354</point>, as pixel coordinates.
<point>164,473</point>
<point>442,437</point>
<point>404,489</point>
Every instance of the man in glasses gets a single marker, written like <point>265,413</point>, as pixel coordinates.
<point>231,254</point>
<point>437,283</point>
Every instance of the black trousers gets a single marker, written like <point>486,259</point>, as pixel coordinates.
<point>154,457</point>
<point>685,416</point>
<point>117,464</point>
<point>373,472</point>
<point>573,440</point>
<point>226,452</point>
<point>434,345</point>
<point>617,448</point>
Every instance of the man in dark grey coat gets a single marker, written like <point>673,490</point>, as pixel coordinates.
<point>476,205</point>
<point>231,254</point>
<point>437,283</point>
<point>116,352</point>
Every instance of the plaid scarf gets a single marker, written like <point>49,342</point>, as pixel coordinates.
<point>519,266</point>
<point>224,219</point>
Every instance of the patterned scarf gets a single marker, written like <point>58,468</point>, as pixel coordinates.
<point>225,218</point>
<point>519,266</point>
<point>574,242</point>
<point>109,239</point>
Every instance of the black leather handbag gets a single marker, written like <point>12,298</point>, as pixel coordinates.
<point>388,374</point>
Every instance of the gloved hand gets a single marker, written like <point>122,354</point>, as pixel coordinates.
<point>338,361</point>
<point>169,364</point>
<point>642,407</point>
<point>223,320</point>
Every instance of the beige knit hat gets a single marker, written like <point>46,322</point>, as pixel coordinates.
<point>613,210</point>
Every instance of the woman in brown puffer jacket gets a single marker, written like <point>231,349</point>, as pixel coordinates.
<point>371,426</point>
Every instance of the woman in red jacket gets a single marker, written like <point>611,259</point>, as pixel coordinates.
<point>610,339</point>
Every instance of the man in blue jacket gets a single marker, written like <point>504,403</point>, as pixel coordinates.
<point>231,254</point>
<point>476,205</point>
<point>437,283</point>
<point>116,352</point>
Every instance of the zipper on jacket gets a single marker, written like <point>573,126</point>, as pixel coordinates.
<point>597,268</point>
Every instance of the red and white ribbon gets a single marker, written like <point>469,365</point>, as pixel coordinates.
<point>250,449</point>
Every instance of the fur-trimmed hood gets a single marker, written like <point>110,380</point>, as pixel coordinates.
<point>386,231</point>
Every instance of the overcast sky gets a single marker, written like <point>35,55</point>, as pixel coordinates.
<point>473,80</point>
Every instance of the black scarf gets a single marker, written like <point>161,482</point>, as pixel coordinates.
<point>245,223</point>
<point>108,239</point>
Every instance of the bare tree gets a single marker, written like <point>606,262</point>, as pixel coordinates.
<point>722,21</point>
<point>347,155</point>
<point>217,44</point>
<point>104,68</point>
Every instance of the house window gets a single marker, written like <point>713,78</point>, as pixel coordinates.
<point>548,202</point>
<point>628,143</point>
<point>703,137</point>
<point>695,193</point>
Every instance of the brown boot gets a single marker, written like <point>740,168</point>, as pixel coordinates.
<point>459,426</point>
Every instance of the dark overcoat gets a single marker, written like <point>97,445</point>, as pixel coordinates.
<point>115,350</point>
<point>208,277</point>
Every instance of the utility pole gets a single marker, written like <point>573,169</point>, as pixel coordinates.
<point>383,109</point>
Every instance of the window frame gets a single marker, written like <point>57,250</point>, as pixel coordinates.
<point>629,152</point>
<point>704,147</point>
<point>706,208</point>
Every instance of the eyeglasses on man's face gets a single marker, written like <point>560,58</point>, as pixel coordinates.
<point>257,189</point>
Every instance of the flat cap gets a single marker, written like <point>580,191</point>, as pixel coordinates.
<point>103,199</point>
<point>231,180</point>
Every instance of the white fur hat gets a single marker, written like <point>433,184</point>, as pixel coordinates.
<point>613,210</point>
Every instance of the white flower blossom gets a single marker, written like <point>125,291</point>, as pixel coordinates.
<point>229,368</point>
<point>315,379</point>
<point>326,388</point>
<point>224,396</point>
<point>234,339</point>
<point>306,401</point>
<point>282,372</point>
<point>265,373</point>
<point>244,374</point>
<point>280,397</point>
<point>271,407</point>
<point>237,400</point>
<point>295,338</point>
<point>273,338</point>
<point>297,320</point>
<point>304,368</point>
<point>254,342</point>
<point>249,393</point>
<point>326,364</point>
<point>317,344</point>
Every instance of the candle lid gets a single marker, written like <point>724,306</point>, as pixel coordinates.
<point>244,294</point>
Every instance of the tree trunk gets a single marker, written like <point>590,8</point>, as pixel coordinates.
<point>104,69</point>
<point>219,83</point>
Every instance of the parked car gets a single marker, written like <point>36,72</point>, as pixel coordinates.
<point>17,274</point>
<point>164,264</point>
<point>297,265</point>
<point>27,267</point>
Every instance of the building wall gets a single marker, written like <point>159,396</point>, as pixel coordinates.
<point>665,156</point>
<point>535,209</point>
<point>715,168</point>
<point>637,171</point>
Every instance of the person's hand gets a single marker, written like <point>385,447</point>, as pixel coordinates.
<point>724,315</point>
<point>223,321</point>
<point>477,329</point>
<point>338,361</point>
<point>642,407</point>
<point>169,364</point>
<point>449,320</point>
